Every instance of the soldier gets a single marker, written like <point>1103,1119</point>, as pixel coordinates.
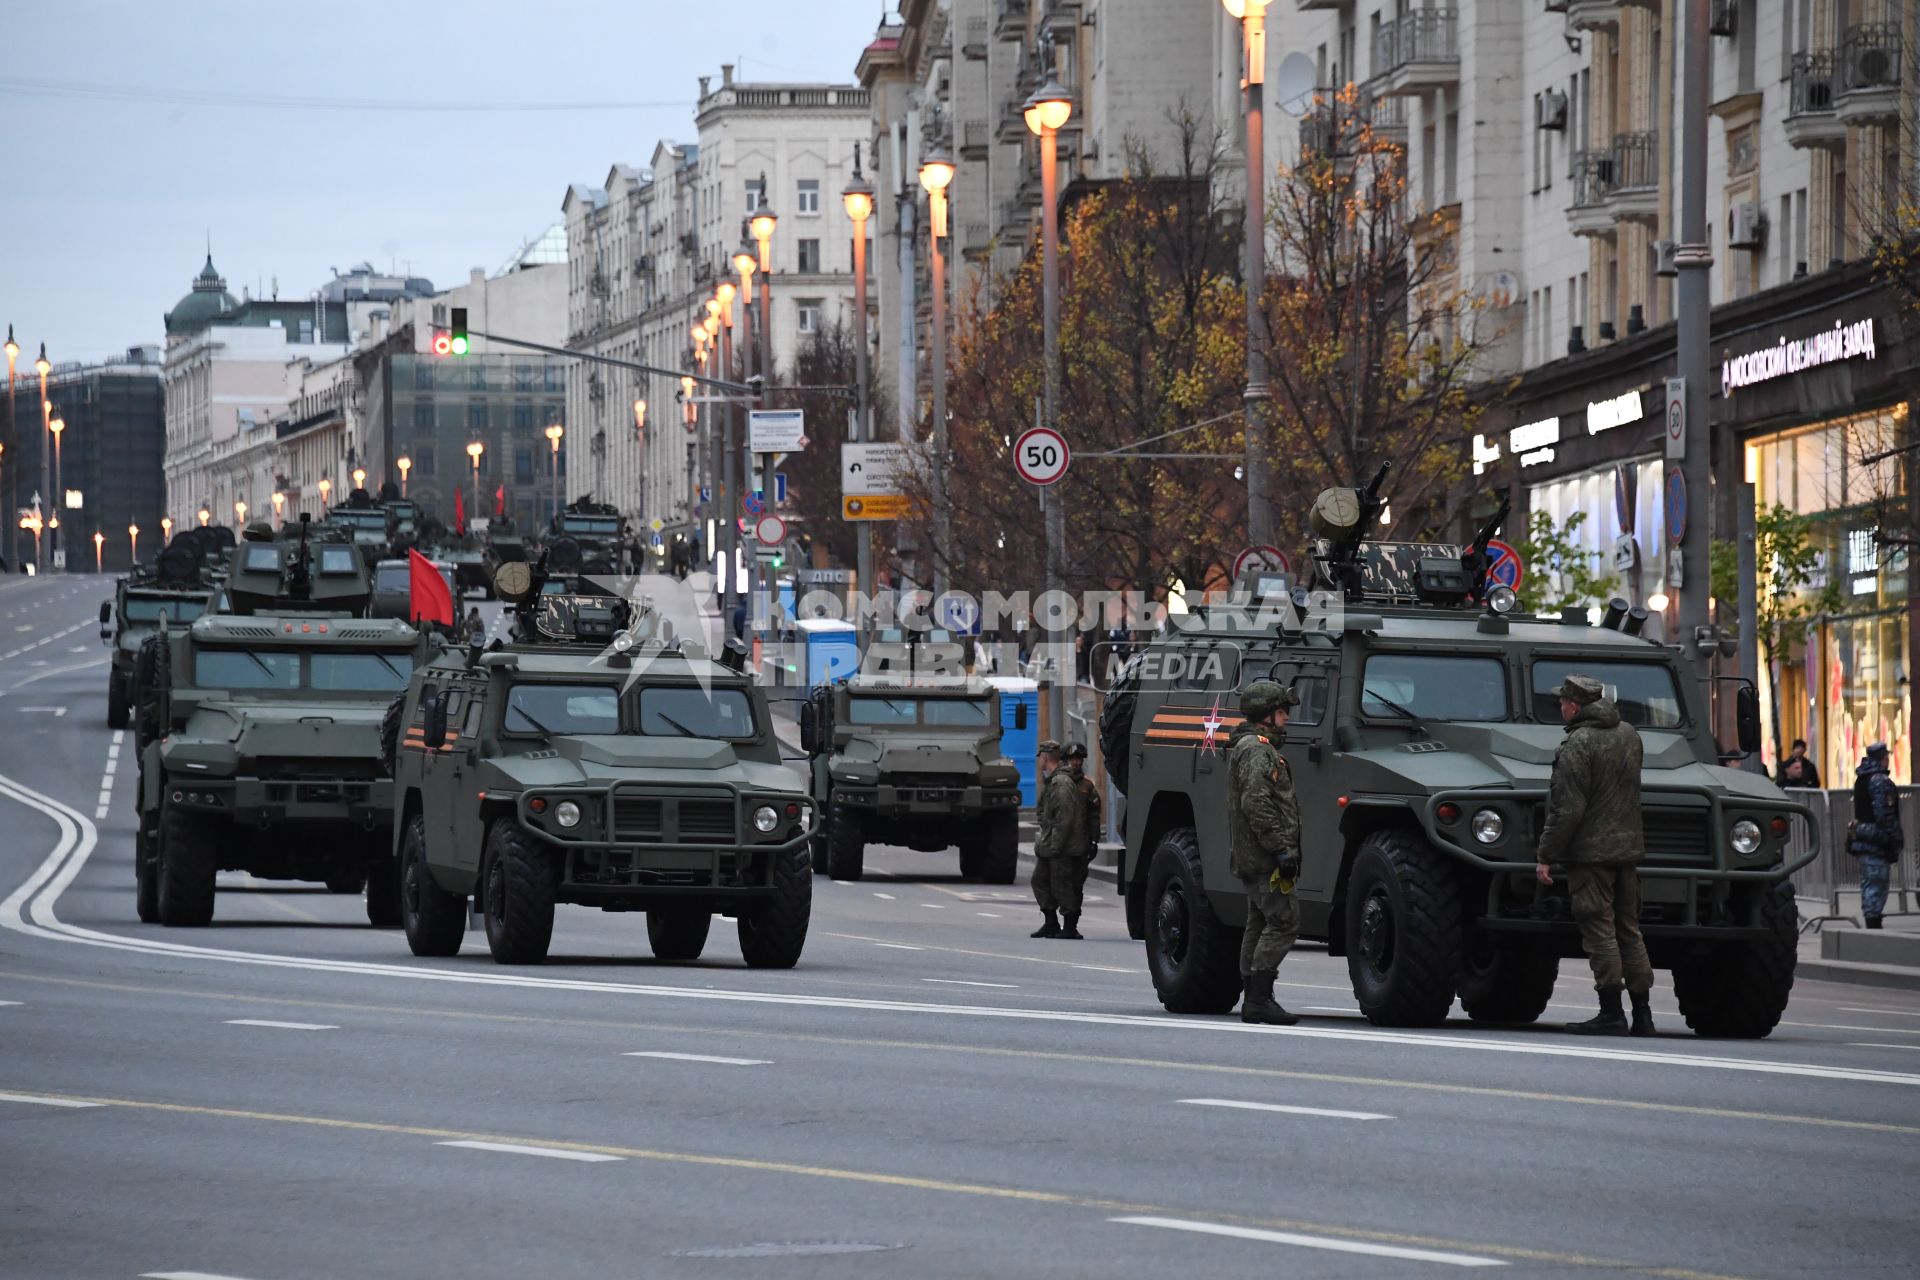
<point>1090,802</point>
<point>1263,826</point>
<point>1874,836</point>
<point>1592,833</point>
<point>1059,847</point>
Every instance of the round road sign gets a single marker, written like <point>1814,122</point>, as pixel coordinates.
<point>1041,456</point>
<point>1261,559</point>
<point>1676,506</point>
<point>770,531</point>
<point>1504,565</point>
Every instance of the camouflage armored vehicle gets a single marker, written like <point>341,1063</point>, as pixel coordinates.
<point>393,588</point>
<point>598,528</point>
<point>1421,752</point>
<point>912,761</point>
<point>504,544</point>
<point>259,734</point>
<point>366,523</point>
<point>594,760</point>
<point>173,592</point>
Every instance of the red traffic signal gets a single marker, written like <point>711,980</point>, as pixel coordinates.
<point>442,343</point>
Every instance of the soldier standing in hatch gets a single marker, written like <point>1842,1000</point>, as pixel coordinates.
<point>1090,804</point>
<point>1263,826</point>
<point>1592,834</point>
<point>1057,851</point>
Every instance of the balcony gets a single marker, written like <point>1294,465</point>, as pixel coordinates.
<point>974,45</point>
<point>1813,117</point>
<point>1619,183</point>
<point>1869,64</point>
<point>1308,5</point>
<point>975,137</point>
<point>1418,53</point>
<point>1330,127</point>
<point>1009,19</point>
<point>1600,15</point>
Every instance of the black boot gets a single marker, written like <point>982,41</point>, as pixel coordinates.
<point>1070,928</point>
<point>1260,1006</point>
<point>1051,929</point>
<point>1642,1015</point>
<point>1612,1020</point>
<point>1873,922</point>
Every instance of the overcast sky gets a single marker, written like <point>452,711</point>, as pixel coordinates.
<point>141,129</point>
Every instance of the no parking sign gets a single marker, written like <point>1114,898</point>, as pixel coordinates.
<point>1505,566</point>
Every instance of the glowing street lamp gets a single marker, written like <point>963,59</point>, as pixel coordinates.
<point>279,505</point>
<point>166,529</point>
<point>42,366</point>
<point>554,434</point>
<point>1252,15</point>
<point>326,488</point>
<point>359,477</point>
<point>474,451</point>
<point>13,354</point>
<point>936,174</point>
<point>1050,107</point>
<point>405,464</point>
<point>239,512</point>
<point>205,515</point>
<point>99,540</point>
<point>639,418</point>
<point>858,200</point>
<point>133,542</point>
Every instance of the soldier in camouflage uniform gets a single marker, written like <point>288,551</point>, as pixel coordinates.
<point>1263,825</point>
<point>1058,850</point>
<point>1592,835</point>
<point>1090,800</point>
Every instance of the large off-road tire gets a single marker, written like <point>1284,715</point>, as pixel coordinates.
<point>146,876</point>
<point>1504,985</point>
<point>184,894</point>
<point>678,933</point>
<point>846,843</point>
<point>1405,942</point>
<point>117,705</point>
<point>519,884</point>
<point>346,880</point>
<point>1738,991</point>
<point>773,932</point>
<point>434,919</point>
<point>1000,847</point>
<point>383,889</point>
<point>1194,958</point>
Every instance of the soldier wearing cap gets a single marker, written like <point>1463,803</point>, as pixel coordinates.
<point>1874,836</point>
<point>1592,835</point>
<point>1076,757</point>
<point>1263,827</point>
<point>1057,851</point>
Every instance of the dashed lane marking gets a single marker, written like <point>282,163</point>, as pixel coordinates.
<point>522,1149</point>
<point>105,800</point>
<point>702,1057</point>
<point>1863,1044</point>
<point>1898,1013</point>
<point>39,1100</point>
<point>44,640</point>
<point>887,896</point>
<point>991,915</point>
<point>187,1275</point>
<point>962,982</point>
<point>898,946</point>
<point>282,1026</point>
<point>933,906</point>
<point>10,1004</point>
<point>1329,1243</point>
<point>1327,1112</point>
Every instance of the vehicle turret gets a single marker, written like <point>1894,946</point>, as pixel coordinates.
<point>305,569</point>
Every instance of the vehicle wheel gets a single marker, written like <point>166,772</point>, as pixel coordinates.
<point>146,876</point>
<point>846,843</point>
<point>972,849</point>
<point>383,892</point>
<point>678,933</point>
<point>117,709</point>
<point>434,919</point>
<point>184,894</point>
<point>774,931</point>
<point>1404,939</point>
<point>1000,851</point>
<point>346,880</point>
<point>1193,957</point>
<point>1739,990</point>
<point>1504,985</point>
<point>518,892</point>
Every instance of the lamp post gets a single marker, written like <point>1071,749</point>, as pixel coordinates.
<point>42,367</point>
<point>554,434</point>
<point>405,464</point>
<point>720,313</point>
<point>205,515</point>
<point>1253,27</point>
<point>474,450</point>
<point>936,174</point>
<point>858,200</point>
<point>279,506</point>
<point>99,541</point>
<point>56,427</point>
<point>166,530</point>
<point>32,522</point>
<point>133,543</point>
<point>13,437</point>
<point>239,513</point>
<point>1050,107</point>
<point>762,226</point>
<point>359,477</point>
<point>326,489</point>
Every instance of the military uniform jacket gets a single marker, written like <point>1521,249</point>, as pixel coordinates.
<point>1063,818</point>
<point>1263,817</point>
<point>1090,799</point>
<point>1593,803</point>
<point>1876,814</point>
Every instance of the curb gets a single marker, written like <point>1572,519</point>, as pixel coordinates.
<point>1853,973</point>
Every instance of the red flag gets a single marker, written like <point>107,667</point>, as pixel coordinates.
<point>430,601</point>
<point>500,501</point>
<point>459,512</point>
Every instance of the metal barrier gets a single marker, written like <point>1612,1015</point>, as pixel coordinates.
<point>1828,888</point>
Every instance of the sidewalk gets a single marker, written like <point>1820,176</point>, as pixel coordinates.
<point>1885,957</point>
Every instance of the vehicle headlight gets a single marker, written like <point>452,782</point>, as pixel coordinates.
<point>1488,826</point>
<point>1745,836</point>
<point>765,819</point>
<point>567,813</point>
<point>1502,599</point>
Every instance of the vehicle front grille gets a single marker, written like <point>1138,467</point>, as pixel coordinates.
<point>319,769</point>
<point>649,819</point>
<point>706,820</point>
<point>1678,837</point>
<point>638,818</point>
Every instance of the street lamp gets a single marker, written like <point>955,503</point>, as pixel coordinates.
<point>405,464</point>
<point>326,488</point>
<point>554,434</point>
<point>99,540</point>
<point>640,418</point>
<point>279,505</point>
<point>239,513</point>
<point>133,542</point>
<point>32,521</point>
<point>1050,107</point>
<point>858,200</point>
<point>166,529</point>
<point>205,515</point>
<point>13,429</point>
<point>936,174</point>
<point>56,426</point>
<point>359,477</point>
<point>1252,15</point>
<point>43,367</point>
<point>474,451</point>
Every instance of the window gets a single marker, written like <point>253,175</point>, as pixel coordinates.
<point>423,460</point>
<point>555,378</point>
<point>261,558</point>
<point>525,373</point>
<point>183,609</point>
<point>808,201</point>
<point>522,466</point>
<point>809,257</point>
<point>422,375</point>
<point>246,669</point>
<point>563,708</point>
<point>394,576</point>
<point>1644,691</point>
<point>807,312</point>
<point>1400,686</point>
<point>339,559</point>
<point>360,672</point>
<point>1312,689</point>
<point>423,416</point>
<point>756,194</point>
<point>879,710</point>
<point>523,417</point>
<point>949,711</point>
<point>476,417</point>
<point>696,713</point>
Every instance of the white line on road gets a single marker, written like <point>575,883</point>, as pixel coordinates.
<point>887,896</point>
<point>1101,968</point>
<point>1316,1242</point>
<point>56,712</point>
<point>1284,1110</point>
<point>47,1102</point>
<point>1898,1013</point>
<point>702,1057</point>
<point>962,982</point>
<point>1327,1008</point>
<point>933,906</point>
<point>898,946</point>
<point>10,1004</point>
<point>186,1275</point>
<point>552,1153</point>
<point>991,915</point>
<point>1863,1044</point>
<point>281,1026</point>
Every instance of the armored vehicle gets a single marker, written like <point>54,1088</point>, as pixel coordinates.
<point>366,523</point>
<point>172,593</point>
<point>599,529</point>
<point>914,761</point>
<point>1421,753</point>
<point>504,544</point>
<point>595,760</point>
<point>393,588</point>
<point>259,734</point>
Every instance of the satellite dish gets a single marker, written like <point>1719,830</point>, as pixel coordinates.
<point>1294,83</point>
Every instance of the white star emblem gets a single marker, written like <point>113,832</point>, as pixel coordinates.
<point>1212,725</point>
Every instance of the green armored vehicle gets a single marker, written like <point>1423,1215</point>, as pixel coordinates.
<point>595,760</point>
<point>598,528</point>
<point>365,520</point>
<point>259,734</point>
<point>912,761</point>
<point>172,593</point>
<point>1421,752</point>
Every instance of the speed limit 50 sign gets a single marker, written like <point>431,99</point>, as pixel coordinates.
<point>1041,456</point>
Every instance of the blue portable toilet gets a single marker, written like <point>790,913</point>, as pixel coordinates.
<point>829,650</point>
<point>1017,744</point>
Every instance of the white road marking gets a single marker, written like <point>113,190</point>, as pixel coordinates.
<point>11,1004</point>
<point>1862,1044</point>
<point>1284,1110</point>
<point>887,896</point>
<point>25,626</point>
<point>47,1102</point>
<point>702,1057</point>
<point>1101,968</point>
<point>962,982</point>
<point>56,712</point>
<point>933,906</point>
<point>30,909</point>
<point>1330,1243</point>
<point>1898,1013</point>
<point>186,1275</point>
<point>991,915</point>
<point>281,1026</point>
<point>1328,1008</point>
<point>552,1153</point>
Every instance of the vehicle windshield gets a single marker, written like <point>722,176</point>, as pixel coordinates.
<point>246,669</point>
<point>178,611</point>
<point>667,711</point>
<point>359,672</point>
<point>359,519</point>
<point>393,577</point>
<point>1644,691</point>
<point>1434,687</point>
<point>563,708</point>
<point>956,711</point>
<point>590,524</point>
<point>876,708</point>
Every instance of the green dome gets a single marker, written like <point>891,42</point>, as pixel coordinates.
<point>201,307</point>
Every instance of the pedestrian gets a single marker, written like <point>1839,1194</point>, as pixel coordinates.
<point>1090,819</point>
<point>1263,831</point>
<point>474,623</point>
<point>1058,847</point>
<point>1874,836</point>
<point>1592,837</point>
<point>1797,770</point>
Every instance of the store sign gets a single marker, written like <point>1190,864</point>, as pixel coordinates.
<point>1484,455</point>
<point>1605,415</point>
<point>1537,458</point>
<point>1842,342</point>
<point>1534,435</point>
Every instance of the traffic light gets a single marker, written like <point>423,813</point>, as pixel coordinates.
<point>457,341</point>
<point>442,343</point>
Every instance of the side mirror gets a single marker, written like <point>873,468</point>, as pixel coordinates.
<point>1746,718</point>
<point>809,730</point>
<point>436,727</point>
<point>106,612</point>
<point>1020,715</point>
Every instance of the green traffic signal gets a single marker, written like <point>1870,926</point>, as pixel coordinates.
<point>458,344</point>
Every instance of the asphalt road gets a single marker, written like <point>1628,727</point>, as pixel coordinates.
<point>290,1094</point>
